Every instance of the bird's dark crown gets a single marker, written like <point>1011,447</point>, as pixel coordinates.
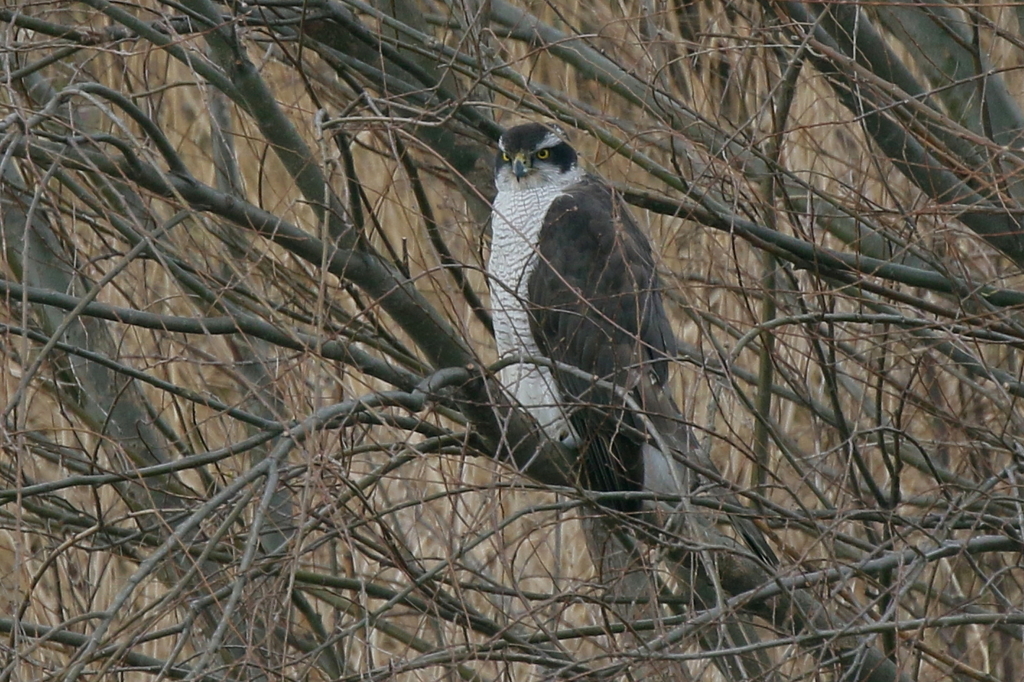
<point>530,138</point>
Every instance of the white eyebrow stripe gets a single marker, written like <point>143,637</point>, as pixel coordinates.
<point>501,143</point>
<point>550,140</point>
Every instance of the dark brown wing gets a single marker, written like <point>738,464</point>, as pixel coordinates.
<point>595,305</point>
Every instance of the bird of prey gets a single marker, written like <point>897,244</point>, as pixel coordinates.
<point>573,282</point>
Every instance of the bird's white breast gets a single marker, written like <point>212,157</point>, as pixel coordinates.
<point>517,220</point>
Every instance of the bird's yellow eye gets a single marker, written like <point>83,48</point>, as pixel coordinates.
<point>543,154</point>
<point>505,156</point>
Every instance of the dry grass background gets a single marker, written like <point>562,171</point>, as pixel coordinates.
<point>370,515</point>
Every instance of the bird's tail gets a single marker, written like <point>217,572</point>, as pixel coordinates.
<point>675,463</point>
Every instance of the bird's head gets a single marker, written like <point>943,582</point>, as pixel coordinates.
<point>534,155</point>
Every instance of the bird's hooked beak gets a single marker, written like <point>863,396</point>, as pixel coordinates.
<point>519,166</point>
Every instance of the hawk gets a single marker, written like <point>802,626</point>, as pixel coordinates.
<point>573,282</point>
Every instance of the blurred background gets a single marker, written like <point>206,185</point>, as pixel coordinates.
<point>244,247</point>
